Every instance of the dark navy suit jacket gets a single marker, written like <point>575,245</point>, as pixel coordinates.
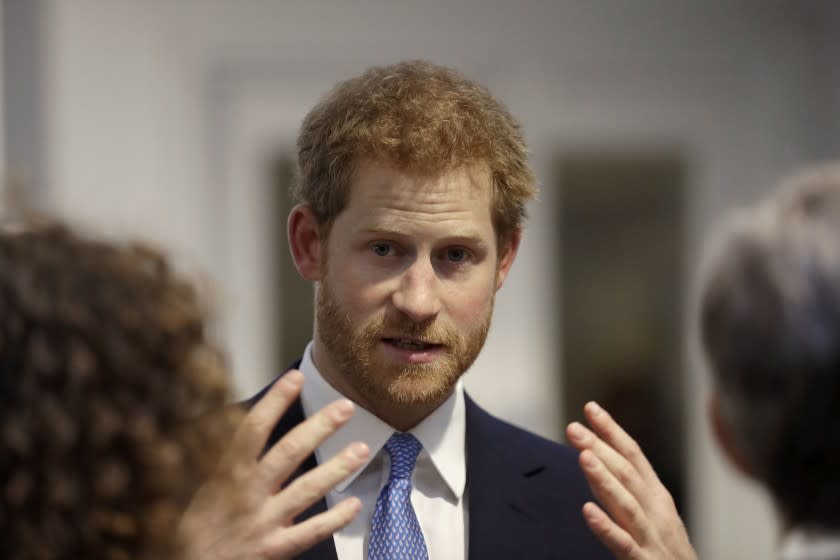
<point>524,493</point>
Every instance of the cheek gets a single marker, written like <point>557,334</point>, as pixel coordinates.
<point>361,300</point>
<point>468,303</point>
<point>353,276</point>
<point>469,307</point>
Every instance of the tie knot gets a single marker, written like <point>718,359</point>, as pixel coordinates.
<point>403,449</point>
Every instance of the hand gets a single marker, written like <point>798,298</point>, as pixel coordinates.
<point>643,523</point>
<point>242,513</point>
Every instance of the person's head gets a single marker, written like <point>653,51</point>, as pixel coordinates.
<point>104,368</point>
<point>413,185</point>
<point>770,325</point>
<point>421,118</point>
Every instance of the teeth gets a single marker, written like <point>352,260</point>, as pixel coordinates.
<point>409,345</point>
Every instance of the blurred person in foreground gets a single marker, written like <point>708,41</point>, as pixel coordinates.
<point>112,411</point>
<point>412,192</point>
<point>770,327</point>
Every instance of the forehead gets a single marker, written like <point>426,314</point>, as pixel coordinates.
<point>378,186</point>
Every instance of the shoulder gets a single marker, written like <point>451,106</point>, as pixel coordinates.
<point>293,415</point>
<point>495,446</point>
<point>528,487</point>
<point>254,399</point>
<point>497,433</point>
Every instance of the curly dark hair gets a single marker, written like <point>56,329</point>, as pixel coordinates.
<point>104,368</point>
<point>770,324</point>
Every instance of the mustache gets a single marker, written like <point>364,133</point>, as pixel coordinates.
<point>433,331</point>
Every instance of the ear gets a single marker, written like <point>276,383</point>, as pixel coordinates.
<point>726,438</point>
<point>305,241</point>
<point>507,254</point>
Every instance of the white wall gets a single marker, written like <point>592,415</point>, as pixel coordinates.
<point>160,115</point>
<point>830,67</point>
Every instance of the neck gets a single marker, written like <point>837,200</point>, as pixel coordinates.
<point>399,415</point>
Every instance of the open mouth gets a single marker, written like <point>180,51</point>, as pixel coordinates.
<point>411,344</point>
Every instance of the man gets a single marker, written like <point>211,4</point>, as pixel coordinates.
<point>105,368</point>
<point>413,185</point>
<point>770,326</point>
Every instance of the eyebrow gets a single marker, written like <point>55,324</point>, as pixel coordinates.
<point>466,234</point>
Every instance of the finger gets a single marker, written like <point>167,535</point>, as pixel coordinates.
<point>624,471</point>
<point>288,542</point>
<point>253,431</point>
<point>284,456</point>
<point>615,436</point>
<point>622,505</point>
<point>314,485</point>
<point>619,541</point>
<point>252,434</point>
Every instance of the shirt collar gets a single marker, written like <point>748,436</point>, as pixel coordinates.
<point>442,433</point>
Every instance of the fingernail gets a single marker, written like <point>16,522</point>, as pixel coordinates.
<point>359,450</point>
<point>343,409</point>
<point>576,431</point>
<point>590,512</point>
<point>594,408</point>
<point>293,379</point>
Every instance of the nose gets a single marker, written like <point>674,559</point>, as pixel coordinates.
<point>418,294</point>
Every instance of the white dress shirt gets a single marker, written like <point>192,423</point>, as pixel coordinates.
<point>800,544</point>
<point>438,483</point>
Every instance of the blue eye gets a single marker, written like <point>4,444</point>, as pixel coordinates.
<point>381,249</point>
<point>456,254</point>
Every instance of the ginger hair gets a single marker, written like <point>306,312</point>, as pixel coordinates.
<point>424,119</point>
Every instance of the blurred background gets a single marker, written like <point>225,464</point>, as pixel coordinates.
<point>175,121</point>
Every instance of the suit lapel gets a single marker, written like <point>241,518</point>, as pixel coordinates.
<point>498,516</point>
<point>524,495</point>
<point>506,501</point>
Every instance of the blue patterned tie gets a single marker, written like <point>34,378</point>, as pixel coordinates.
<point>395,532</point>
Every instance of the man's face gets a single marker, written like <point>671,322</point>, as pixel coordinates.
<point>408,278</point>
